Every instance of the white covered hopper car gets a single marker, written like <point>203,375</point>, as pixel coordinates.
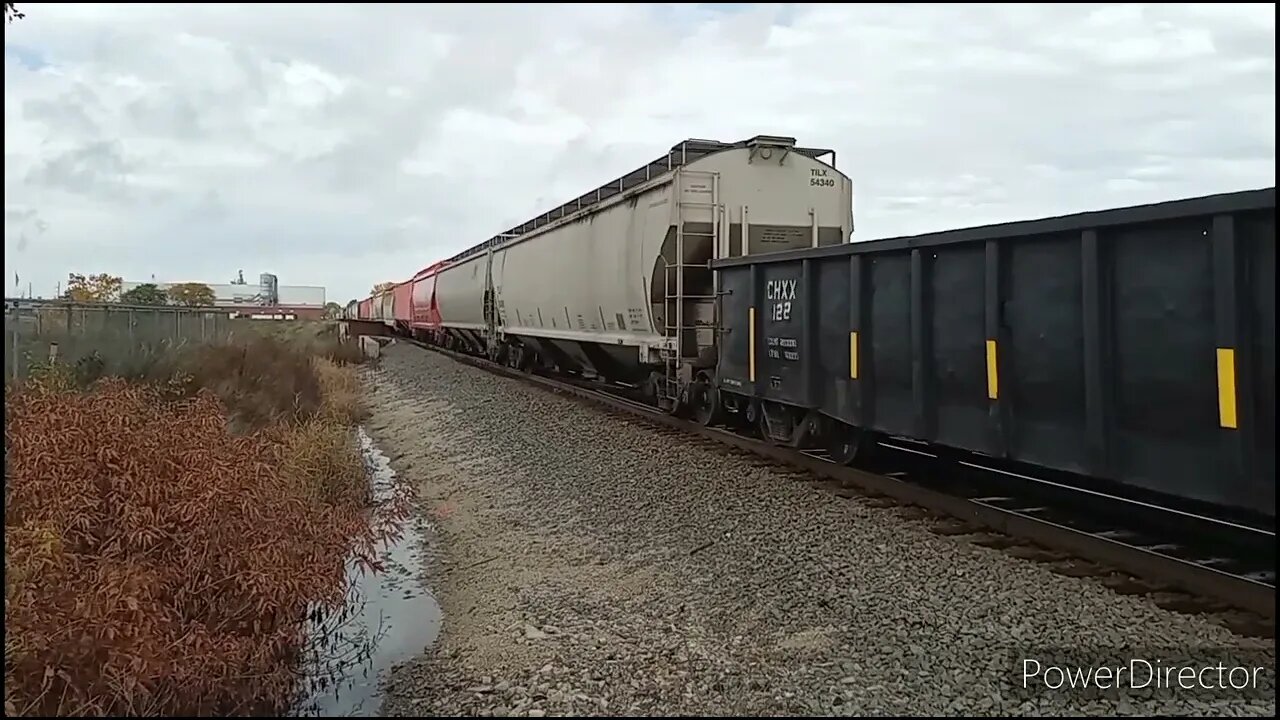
<point>616,283</point>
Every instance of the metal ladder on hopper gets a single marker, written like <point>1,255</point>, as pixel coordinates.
<point>674,317</point>
<point>492,319</point>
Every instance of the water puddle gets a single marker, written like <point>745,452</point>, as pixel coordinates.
<point>389,618</point>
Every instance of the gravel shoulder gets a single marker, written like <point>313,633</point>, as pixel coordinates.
<point>587,566</point>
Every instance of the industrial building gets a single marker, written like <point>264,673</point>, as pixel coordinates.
<point>268,297</point>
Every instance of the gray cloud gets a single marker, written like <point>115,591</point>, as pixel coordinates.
<point>96,168</point>
<point>344,145</point>
<point>66,115</point>
<point>167,114</point>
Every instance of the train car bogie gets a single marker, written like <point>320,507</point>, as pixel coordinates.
<point>845,443</point>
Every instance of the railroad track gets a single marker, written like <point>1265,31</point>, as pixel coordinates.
<point>1230,576</point>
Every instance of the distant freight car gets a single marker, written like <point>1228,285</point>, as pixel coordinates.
<point>384,307</point>
<point>616,283</point>
<point>1135,345</point>
<point>402,305</point>
<point>426,318</point>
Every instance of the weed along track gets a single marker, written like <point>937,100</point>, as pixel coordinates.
<point>168,537</point>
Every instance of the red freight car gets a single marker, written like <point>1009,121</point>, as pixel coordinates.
<point>402,308</point>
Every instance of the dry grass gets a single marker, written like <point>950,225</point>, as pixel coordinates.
<point>340,394</point>
<point>164,540</point>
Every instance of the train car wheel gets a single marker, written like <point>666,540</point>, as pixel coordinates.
<point>733,410</point>
<point>750,415</point>
<point>519,358</point>
<point>808,432</point>
<point>844,443</point>
<point>773,429</point>
<point>705,401</point>
<point>653,388</point>
<point>762,427</point>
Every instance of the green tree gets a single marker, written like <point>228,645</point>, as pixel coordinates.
<point>332,310</point>
<point>382,287</point>
<point>145,294</point>
<point>94,288</point>
<point>191,294</point>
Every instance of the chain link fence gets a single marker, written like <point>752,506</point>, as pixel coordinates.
<point>120,336</point>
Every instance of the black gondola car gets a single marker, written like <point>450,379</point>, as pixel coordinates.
<point>1134,345</point>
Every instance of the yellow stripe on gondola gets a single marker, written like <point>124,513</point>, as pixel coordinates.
<point>1227,388</point>
<point>993,376</point>
<point>853,354</point>
<point>751,339</point>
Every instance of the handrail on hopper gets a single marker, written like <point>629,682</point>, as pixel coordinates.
<point>680,154</point>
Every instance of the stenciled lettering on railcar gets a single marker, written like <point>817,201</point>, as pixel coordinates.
<point>773,235</point>
<point>780,294</point>
<point>818,178</point>
<point>783,348</point>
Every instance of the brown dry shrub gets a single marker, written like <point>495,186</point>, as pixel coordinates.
<point>271,377</point>
<point>261,380</point>
<point>320,339</point>
<point>318,458</point>
<point>341,397</point>
<point>157,563</point>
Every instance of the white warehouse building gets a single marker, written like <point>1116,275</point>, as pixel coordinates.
<point>267,292</point>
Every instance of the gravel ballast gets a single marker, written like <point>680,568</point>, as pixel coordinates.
<point>589,566</point>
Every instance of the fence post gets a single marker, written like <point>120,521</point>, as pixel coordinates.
<point>13,327</point>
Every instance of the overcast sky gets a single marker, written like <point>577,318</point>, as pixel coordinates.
<point>342,145</point>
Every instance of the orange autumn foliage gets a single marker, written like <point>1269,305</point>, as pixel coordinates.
<point>158,562</point>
